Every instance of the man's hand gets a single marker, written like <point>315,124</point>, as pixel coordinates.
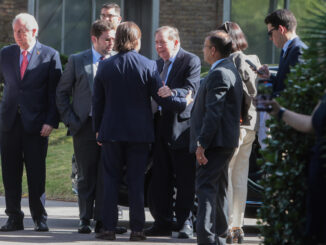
<point>263,72</point>
<point>99,143</point>
<point>46,130</point>
<point>164,92</point>
<point>275,106</point>
<point>200,156</point>
<point>189,97</point>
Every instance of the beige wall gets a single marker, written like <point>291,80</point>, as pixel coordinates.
<point>8,10</point>
<point>193,18</point>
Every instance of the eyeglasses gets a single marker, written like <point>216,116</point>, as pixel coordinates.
<point>108,16</point>
<point>270,32</point>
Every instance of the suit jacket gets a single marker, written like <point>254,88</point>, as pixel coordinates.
<point>215,119</point>
<point>290,58</point>
<point>34,95</point>
<point>184,75</point>
<point>249,114</point>
<point>123,86</point>
<point>74,91</point>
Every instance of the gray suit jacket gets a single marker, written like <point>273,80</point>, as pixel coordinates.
<point>215,118</point>
<point>74,91</point>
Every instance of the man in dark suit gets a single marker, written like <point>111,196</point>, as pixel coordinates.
<point>30,72</point>
<point>281,26</point>
<point>214,134</point>
<point>180,72</point>
<point>122,118</point>
<point>77,83</point>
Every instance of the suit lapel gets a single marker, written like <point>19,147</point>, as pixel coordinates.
<point>88,66</point>
<point>175,66</point>
<point>35,58</point>
<point>15,61</point>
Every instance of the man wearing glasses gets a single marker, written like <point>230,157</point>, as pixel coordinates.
<point>281,26</point>
<point>111,13</point>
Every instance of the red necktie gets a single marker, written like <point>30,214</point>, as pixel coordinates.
<point>24,64</point>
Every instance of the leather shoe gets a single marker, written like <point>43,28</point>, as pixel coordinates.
<point>186,232</point>
<point>106,235</point>
<point>40,225</point>
<point>157,231</point>
<point>137,236</point>
<point>84,227</point>
<point>98,226</point>
<point>13,224</point>
<point>120,230</point>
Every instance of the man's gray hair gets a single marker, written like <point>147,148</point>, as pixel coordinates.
<point>28,20</point>
<point>173,33</point>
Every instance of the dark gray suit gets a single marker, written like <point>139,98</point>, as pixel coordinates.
<point>74,100</point>
<point>215,123</point>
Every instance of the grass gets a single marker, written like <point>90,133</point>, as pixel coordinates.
<point>58,167</point>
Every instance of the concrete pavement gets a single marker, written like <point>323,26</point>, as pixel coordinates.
<point>63,221</point>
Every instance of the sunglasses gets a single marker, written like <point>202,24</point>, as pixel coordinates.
<point>270,33</point>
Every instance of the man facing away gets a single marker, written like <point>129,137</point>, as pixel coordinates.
<point>180,73</point>
<point>30,72</point>
<point>281,26</point>
<point>214,134</point>
<point>77,83</point>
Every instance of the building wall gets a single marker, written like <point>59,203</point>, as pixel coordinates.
<point>193,18</point>
<point>8,10</point>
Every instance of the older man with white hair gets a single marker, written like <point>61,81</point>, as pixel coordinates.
<point>30,72</point>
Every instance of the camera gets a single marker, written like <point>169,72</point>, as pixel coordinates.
<point>264,93</point>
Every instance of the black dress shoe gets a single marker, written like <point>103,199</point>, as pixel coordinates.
<point>137,236</point>
<point>106,235</point>
<point>40,225</point>
<point>157,231</point>
<point>186,232</point>
<point>120,230</point>
<point>98,226</point>
<point>84,227</point>
<point>13,224</point>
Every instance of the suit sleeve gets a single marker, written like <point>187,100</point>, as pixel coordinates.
<point>1,75</point>
<point>54,77</point>
<point>216,92</point>
<point>173,103</point>
<point>98,100</point>
<point>64,93</point>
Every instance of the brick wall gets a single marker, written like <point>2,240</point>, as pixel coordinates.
<point>8,10</point>
<point>193,18</point>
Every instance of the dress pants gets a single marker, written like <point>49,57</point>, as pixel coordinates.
<point>167,165</point>
<point>88,153</point>
<point>135,156</point>
<point>211,185</point>
<point>238,178</point>
<point>19,147</point>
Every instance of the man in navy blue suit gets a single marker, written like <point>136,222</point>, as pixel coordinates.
<point>30,72</point>
<point>123,120</point>
<point>281,26</point>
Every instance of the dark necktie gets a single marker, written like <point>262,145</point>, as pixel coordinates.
<point>102,57</point>
<point>165,70</point>
<point>23,64</point>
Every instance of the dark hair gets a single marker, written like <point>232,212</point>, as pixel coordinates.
<point>112,5</point>
<point>173,33</point>
<point>283,17</point>
<point>126,37</point>
<point>221,41</point>
<point>100,26</point>
<point>239,41</point>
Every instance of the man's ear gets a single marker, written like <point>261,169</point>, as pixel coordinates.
<point>93,39</point>
<point>176,42</point>
<point>34,32</point>
<point>282,29</point>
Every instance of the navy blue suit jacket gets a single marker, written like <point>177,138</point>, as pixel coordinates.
<point>35,93</point>
<point>290,58</point>
<point>123,86</point>
<point>174,126</point>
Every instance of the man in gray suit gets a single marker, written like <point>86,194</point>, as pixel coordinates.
<point>77,83</point>
<point>214,134</point>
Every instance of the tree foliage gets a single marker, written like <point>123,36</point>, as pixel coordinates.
<point>288,152</point>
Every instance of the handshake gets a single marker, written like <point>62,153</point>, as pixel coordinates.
<point>165,92</point>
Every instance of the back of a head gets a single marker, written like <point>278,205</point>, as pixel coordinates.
<point>127,36</point>
<point>239,41</point>
<point>28,20</point>
<point>221,41</point>
<point>115,6</point>
<point>100,26</point>
<point>283,17</point>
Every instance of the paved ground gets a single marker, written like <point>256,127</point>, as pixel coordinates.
<point>63,221</point>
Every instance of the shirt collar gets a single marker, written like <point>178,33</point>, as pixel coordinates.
<point>287,44</point>
<point>216,63</point>
<point>96,56</point>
